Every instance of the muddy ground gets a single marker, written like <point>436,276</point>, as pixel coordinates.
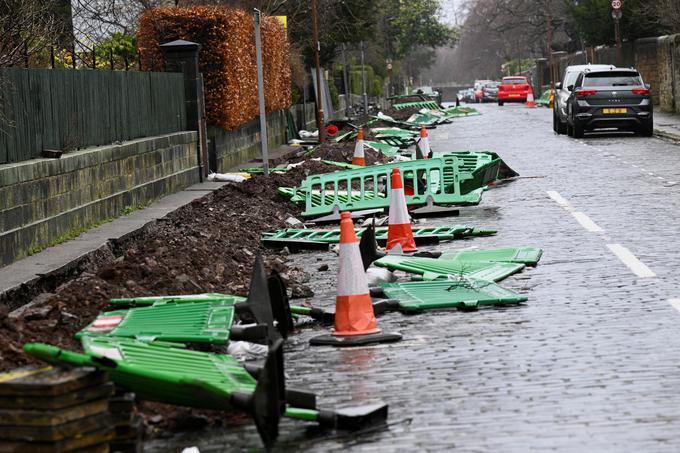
<point>343,152</point>
<point>208,245</point>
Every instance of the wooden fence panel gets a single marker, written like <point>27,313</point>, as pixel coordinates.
<point>69,109</point>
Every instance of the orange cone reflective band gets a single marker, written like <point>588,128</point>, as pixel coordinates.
<point>424,143</point>
<point>530,100</point>
<point>399,228</point>
<point>358,158</point>
<point>353,307</point>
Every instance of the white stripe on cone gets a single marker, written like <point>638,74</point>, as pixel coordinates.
<point>351,275</point>
<point>425,146</point>
<point>359,148</point>
<point>398,214</point>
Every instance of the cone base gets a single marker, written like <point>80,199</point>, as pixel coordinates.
<point>354,340</point>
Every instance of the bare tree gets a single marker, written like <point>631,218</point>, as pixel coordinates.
<point>27,27</point>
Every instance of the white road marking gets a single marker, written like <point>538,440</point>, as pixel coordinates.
<point>675,303</point>
<point>626,256</point>
<point>671,183</point>
<point>560,200</point>
<point>586,222</point>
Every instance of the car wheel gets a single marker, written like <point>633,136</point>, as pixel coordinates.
<point>556,123</point>
<point>577,130</point>
<point>647,129</point>
<point>570,130</point>
<point>500,103</point>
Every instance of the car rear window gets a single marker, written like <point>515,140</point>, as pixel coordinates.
<point>514,81</point>
<point>612,78</point>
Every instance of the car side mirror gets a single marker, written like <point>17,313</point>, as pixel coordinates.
<point>648,86</point>
<point>558,86</point>
<point>570,88</point>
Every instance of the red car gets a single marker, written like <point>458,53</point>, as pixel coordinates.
<point>513,89</point>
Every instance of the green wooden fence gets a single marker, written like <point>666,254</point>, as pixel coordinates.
<point>68,109</point>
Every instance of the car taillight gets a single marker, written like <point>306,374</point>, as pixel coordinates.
<point>585,93</point>
<point>641,91</point>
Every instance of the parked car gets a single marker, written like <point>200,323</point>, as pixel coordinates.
<point>479,85</point>
<point>467,95</point>
<point>490,92</point>
<point>513,89</point>
<point>612,98</point>
<point>562,93</point>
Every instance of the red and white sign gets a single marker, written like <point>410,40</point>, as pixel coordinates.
<point>616,4</point>
<point>105,324</point>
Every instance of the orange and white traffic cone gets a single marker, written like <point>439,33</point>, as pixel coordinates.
<point>355,322</point>
<point>399,227</point>
<point>358,158</point>
<point>423,144</point>
<point>530,99</point>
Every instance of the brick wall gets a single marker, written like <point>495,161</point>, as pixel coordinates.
<point>42,200</point>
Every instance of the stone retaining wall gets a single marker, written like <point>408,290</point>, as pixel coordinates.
<point>43,201</point>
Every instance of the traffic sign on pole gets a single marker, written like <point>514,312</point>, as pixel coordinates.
<point>616,4</point>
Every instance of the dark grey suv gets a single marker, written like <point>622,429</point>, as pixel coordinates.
<point>613,98</point>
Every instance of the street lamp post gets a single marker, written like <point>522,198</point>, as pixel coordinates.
<point>363,80</point>
<point>317,49</point>
<point>616,15</point>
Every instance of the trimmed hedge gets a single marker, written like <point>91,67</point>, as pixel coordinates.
<point>226,59</point>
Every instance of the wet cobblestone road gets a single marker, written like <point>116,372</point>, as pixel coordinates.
<point>590,363</point>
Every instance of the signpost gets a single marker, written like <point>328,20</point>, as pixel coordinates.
<point>616,15</point>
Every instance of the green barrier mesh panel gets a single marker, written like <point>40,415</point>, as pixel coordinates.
<point>387,149</point>
<point>419,104</point>
<point>432,269</point>
<point>434,179</point>
<point>150,300</point>
<point>333,236</point>
<point>190,322</point>
<point>464,293</point>
<point>159,372</point>
<point>525,255</point>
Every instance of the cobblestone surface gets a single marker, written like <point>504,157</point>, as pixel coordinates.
<point>590,363</point>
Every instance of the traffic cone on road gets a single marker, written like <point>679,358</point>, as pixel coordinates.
<point>358,158</point>
<point>355,322</point>
<point>399,227</point>
<point>423,144</point>
<point>530,99</point>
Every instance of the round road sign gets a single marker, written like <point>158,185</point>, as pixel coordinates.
<point>616,4</point>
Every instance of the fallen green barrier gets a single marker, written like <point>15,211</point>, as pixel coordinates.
<point>188,322</point>
<point>170,374</point>
<point>433,269</point>
<point>190,298</point>
<point>455,112</point>
<point>422,235</point>
<point>525,255</point>
<point>462,294</point>
<point>418,104</point>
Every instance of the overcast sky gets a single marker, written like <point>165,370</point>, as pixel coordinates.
<point>450,10</point>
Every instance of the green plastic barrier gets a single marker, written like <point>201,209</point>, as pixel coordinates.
<point>419,104</point>
<point>385,148</point>
<point>435,180</point>
<point>151,300</point>
<point>454,112</point>
<point>432,269</point>
<point>442,233</point>
<point>544,100</point>
<point>525,255</point>
<point>463,293</point>
<point>187,322</point>
<point>168,373</point>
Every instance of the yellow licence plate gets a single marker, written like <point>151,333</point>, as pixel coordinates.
<point>514,95</point>
<point>614,111</point>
